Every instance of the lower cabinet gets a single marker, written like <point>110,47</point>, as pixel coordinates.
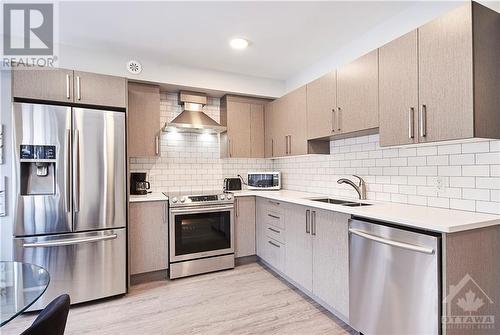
<point>309,246</point>
<point>148,236</point>
<point>244,227</point>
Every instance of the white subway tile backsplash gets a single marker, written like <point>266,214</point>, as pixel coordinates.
<point>449,149</point>
<point>476,170</point>
<point>464,205</point>
<point>475,147</point>
<point>476,194</point>
<point>426,151</point>
<point>462,159</point>
<point>488,158</point>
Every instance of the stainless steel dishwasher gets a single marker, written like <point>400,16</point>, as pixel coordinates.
<point>394,279</point>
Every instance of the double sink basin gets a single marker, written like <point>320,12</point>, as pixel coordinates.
<point>341,202</point>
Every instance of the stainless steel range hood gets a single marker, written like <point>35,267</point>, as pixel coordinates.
<point>192,119</point>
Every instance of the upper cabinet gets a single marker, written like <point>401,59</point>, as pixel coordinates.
<point>143,120</point>
<point>70,86</point>
<point>244,119</point>
<point>322,106</point>
<point>441,82</point>
<point>357,94</point>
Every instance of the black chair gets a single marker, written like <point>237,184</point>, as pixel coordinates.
<point>52,319</point>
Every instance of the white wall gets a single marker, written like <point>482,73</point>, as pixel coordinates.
<point>115,64</point>
<point>419,14</point>
<point>468,172</point>
<point>190,162</point>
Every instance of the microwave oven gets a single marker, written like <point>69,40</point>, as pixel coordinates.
<point>264,180</point>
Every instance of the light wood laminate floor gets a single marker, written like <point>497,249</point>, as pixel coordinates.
<point>246,300</point>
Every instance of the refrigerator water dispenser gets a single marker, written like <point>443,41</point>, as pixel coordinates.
<point>38,165</point>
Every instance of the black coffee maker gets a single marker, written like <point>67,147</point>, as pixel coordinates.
<point>138,183</point>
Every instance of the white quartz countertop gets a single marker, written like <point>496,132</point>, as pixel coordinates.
<point>148,197</point>
<point>422,217</point>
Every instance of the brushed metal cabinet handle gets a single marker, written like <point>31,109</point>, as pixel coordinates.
<point>78,89</point>
<point>274,230</point>
<point>333,120</point>
<point>157,145</point>
<point>273,216</point>
<point>290,144</point>
<point>313,223</point>
<point>338,119</point>
<point>411,116</point>
<point>237,207</point>
<point>423,121</point>
<point>273,244</point>
<point>165,213</point>
<point>308,221</point>
<point>274,202</point>
<point>68,91</point>
<point>229,147</point>
<point>272,147</point>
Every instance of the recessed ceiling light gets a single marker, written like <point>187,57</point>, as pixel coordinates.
<point>238,43</point>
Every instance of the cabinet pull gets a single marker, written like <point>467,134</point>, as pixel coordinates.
<point>286,145</point>
<point>68,92</point>
<point>78,90</point>
<point>423,121</point>
<point>289,144</point>
<point>411,117</point>
<point>274,202</point>
<point>229,148</point>
<point>338,119</point>
<point>274,230</point>
<point>313,223</point>
<point>274,244</point>
<point>237,207</point>
<point>308,221</point>
<point>272,147</point>
<point>333,120</point>
<point>157,145</point>
<point>165,213</point>
<point>273,216</point>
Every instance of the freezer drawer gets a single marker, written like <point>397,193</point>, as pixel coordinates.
<point>393,280</point>
<point>87,266</point>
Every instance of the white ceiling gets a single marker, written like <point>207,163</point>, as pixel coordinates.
<point>285,37</point>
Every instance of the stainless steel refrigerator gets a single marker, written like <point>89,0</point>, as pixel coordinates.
<point>70,198</point>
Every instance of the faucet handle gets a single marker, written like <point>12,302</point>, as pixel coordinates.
<point>361,181</point>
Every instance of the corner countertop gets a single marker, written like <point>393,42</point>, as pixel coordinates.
<point>421,217</point>
<point>148,197</point>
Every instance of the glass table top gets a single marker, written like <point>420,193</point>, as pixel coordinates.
<point>21,284</point>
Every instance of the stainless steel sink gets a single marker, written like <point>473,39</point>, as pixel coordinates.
<point>341,202</point>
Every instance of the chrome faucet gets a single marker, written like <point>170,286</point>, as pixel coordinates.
<point>360,188</point>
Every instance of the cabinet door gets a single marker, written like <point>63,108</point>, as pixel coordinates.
<point>331,259</point>
<point>100,90</point>
<point>298,260</point>
<point>357,94</point>
<point>445,77</point>
<point>268,133</point>
<point>321,106</point>
<point>148,234</point>
<point>50,85</point>
<point>399,91</point>
<point>244,226</point>
<point>143,120</point>
<point>297,119</point>
<point>238,129</point>
<point>257,130</point>
<point>280,128</point>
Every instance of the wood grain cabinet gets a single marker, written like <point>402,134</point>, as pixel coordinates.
<point>148,236</point>
<point>244,213</point>
<point>441,82</point>
<point>244,119</point>
<point>357,95</point>
<point>143,120</point>
<point>322,106</point>
<point>70,86</point>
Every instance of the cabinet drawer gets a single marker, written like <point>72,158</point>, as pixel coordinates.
<point>275,233</point>
<point>275,219</point>
<point>274,253</point>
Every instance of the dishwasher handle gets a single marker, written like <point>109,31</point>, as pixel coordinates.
<point>407,246</point>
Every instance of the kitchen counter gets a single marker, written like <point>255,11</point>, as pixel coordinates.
<point>148,197</point>
<point>421,217</point>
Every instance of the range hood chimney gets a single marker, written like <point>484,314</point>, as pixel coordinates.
<point>192,119</point>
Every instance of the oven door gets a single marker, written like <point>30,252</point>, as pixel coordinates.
<point>198,232</point>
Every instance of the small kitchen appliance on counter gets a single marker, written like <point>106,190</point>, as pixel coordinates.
<point>201,233</point>
<point>138,183</point>
<point>232,184</point>
<point>264,180</point>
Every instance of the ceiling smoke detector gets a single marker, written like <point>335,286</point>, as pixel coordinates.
<point>134,67</point>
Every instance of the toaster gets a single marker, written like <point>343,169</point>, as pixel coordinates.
<point>232,184</point>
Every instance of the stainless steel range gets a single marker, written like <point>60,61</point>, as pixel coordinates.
<point>201,233</point>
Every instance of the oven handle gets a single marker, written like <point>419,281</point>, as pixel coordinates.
<point>200,210</point>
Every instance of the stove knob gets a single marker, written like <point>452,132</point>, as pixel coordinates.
<point>222,197</point>
<point>174,200</point>
<point>183,199</point>
<point>229,196</point>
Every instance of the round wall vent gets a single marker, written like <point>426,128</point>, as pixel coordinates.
<point>134,67</point>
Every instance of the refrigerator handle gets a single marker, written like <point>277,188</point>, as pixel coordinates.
<point>76,171</point>
<point>69,241</point>
<point>67,172</point>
